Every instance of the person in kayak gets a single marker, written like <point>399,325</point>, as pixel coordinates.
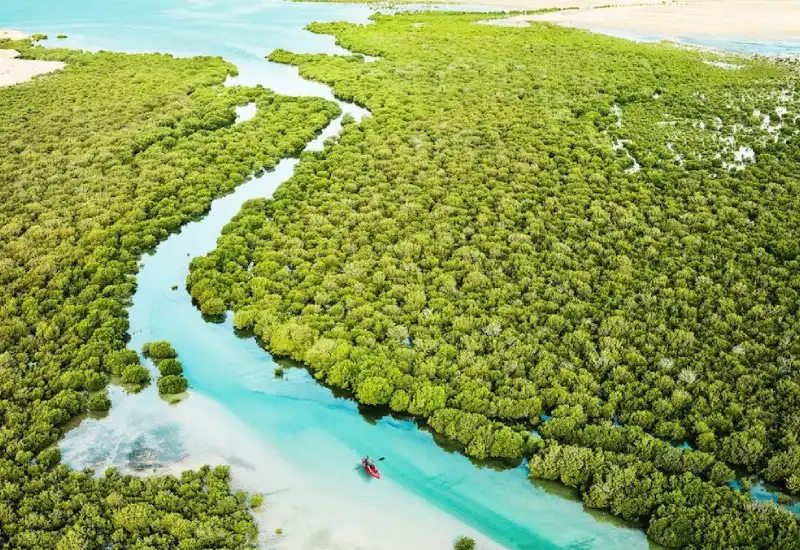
<point>370,468</point>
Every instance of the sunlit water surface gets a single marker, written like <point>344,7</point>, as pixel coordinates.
<point>290,438</point>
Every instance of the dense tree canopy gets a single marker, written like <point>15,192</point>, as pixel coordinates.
<point>544,221</point>
<point>98,163</point>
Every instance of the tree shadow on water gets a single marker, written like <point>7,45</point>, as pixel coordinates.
<point>375,414</point>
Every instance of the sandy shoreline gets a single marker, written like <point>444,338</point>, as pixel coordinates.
<point>11,34</point>
<point>761,20</point>
<point>15,71</point>
<point>524,5</point>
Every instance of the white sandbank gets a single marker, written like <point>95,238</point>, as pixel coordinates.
<point>11,34</point>
<point>524,5</point>
<point>312,515</point>
<point>763,20</point>
<point>15,71</point>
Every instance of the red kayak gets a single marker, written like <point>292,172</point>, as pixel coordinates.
<point>371,469</point>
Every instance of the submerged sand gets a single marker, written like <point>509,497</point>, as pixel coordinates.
<point>762,20</point>
<point>15,71</point>
<point>310,513</point>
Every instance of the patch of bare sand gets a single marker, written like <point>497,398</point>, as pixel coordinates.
<point>523,5</point>
<point>15,71</point>
<point>11,34</point>
<point>765,20</point>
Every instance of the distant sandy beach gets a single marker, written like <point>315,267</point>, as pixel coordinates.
<point>526,5</point>
<point>15,71</point>
<point>763,20</point>
<point>11,34</point>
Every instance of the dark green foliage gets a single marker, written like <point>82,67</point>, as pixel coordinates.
<point>195,511</point>
<point>117,361</point>
<point>98,163</point>
<point>135,374</point>
<point>464,543</point>
<point>681,510</point>
<point>98,402</point>
<point>786,465</point>
<point>278,372</point>
<point>169,366</point>
<point>61,36</point>
<point>172,383</point>
<point>480,436</point>
<point>159,350</point>
<point>542,220</point>
<point>165,358</point>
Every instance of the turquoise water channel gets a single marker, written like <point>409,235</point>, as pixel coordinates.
<point>290,438</point>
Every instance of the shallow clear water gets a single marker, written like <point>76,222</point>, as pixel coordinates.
<point>745,46</point>
<point>290,438</point>
<point>739,46</point>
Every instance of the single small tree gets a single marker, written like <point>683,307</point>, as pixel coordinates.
<point>464,543</point>
<point>159,350</point>
<point>135,374</point>
<point>171,384</point>
<point>169,366</point>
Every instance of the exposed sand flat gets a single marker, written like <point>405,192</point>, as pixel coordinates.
<point>543,4</point>
<point>11,34</point>
<point>15,71</point>
<point>765,20</point>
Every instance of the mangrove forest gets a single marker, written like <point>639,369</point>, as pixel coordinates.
<point>550,244</point>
